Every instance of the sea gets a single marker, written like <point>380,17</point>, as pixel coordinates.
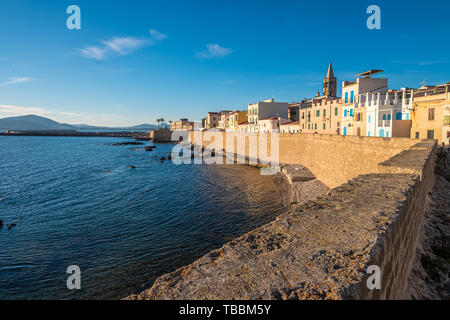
<point>118,213</point>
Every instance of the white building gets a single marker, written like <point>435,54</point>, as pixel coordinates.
<point>271,124</point>
<point>388,114</point>
<point>263,110</point>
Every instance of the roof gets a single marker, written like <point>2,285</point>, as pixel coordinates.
<point>292,123</point>
<point>270,118</point>
<point>369,73</point>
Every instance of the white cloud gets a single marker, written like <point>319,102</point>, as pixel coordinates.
<point>125,45</point>
<point>214,51</point>
<point>157,35</point>
<point>22,111</point>
<point>16,80</point>
<point>121,46</point>
<point>93,53</point>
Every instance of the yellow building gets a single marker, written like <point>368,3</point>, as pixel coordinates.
<point>239,117</point>
<point>431,113</point>
<point>323,116</point>
<point>182,124</point>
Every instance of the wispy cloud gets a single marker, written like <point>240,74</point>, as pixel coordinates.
<point>21,111</point>
<point>421,63</point>
<point>213,50</point>
<point>158,35</point>
<point>226,82</point>
<point>119,46</point>
<point>125,45</point>
<point>16,80</point>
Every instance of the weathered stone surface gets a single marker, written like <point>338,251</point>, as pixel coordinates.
<point>320,250</point>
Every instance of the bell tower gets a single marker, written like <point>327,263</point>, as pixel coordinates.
<point>330,83</point>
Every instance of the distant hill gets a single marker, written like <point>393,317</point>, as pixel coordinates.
<point>32,122</point>
<point>36,123</point>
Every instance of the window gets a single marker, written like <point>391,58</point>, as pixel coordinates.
<point>315,126</point>
<point>407,116</point>
<point>346,97</point>
<point>303,115</point>
<point>398,116</point>
<point>351,112</point>
<point>368,133</point>
<point>336,111</point>
<point>324,126</point>
<point>352,96</point>
<point>430,114</point>
<point>417,135</point>
<point>384,117</point>
<point>381,132</point>
<point>430,134</point>
<point>345,131</point>
<point>317,113</point>
<point>389,117</point>
<point>324,112</point>
<point>446,120</point>
<point>368,119</point>
<point>345,112</point>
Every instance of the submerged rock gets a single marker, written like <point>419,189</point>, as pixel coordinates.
<point>131,143</point>
<point>1,224</point>
<point>132,167</point>
<point>11,225</point>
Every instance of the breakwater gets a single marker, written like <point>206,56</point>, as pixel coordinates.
<point>322,249</point>
<point>67,133</point>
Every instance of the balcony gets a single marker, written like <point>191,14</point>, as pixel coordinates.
<point>384,123</point>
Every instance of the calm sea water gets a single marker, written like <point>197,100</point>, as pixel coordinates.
<point>76,202</point>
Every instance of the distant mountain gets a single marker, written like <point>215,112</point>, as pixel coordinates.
<point>32,122</point>
<point>36,123</point>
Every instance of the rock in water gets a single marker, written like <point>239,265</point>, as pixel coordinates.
<point>1,224</point>
<point>133,143</point>
<point>12,225</point>
<point>132,167</point>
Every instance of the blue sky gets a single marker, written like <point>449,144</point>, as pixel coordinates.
<point>136,61</point>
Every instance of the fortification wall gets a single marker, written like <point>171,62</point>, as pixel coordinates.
<point>322,249</point>
<point>332,159</point>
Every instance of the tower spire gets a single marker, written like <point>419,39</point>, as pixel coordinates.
<point>330,73</point>
<point>330,83</point>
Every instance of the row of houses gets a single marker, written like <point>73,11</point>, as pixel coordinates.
<point>368,107</point>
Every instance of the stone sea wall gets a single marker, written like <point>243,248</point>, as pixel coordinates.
<point>332,159</point>
<point>322,249</point>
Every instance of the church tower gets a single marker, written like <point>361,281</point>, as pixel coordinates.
<point>330,83</point>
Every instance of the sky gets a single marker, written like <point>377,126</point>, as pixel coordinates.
<point>136,61</point>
